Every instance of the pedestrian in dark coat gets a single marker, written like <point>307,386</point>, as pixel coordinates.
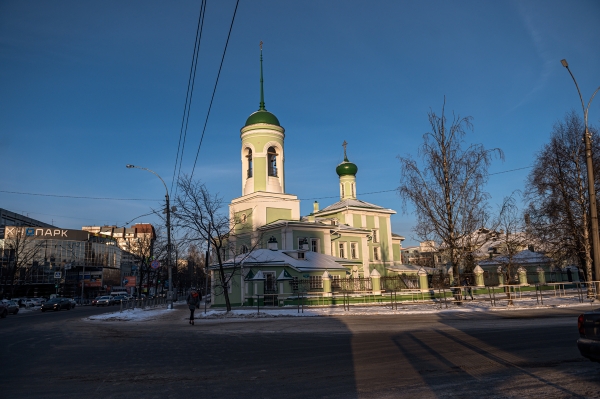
<point>193,301</point>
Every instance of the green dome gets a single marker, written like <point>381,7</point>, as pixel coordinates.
<point>346,168</point>
<point>262,116</point>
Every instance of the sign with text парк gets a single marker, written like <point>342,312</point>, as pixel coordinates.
<point>43,233</point>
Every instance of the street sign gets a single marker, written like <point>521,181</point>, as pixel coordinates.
<point>155,264</point>
<point>57,274</point>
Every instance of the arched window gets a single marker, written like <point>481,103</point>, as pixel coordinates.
<point>353,193</point>
<point>343,194</point>
<point>272,159</point>
<point>249,157</point>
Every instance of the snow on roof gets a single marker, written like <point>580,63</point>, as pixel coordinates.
<point>523,257</point>
<point>353,203</point>
<point>402,268</point>
<point>268,257</point>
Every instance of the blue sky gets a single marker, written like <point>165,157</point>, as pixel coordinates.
<point>87,87</point>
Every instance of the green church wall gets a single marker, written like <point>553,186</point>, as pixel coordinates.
<point>243,227</point>
<point>397,252</point>
<point>260,175</point>
<point>308,234</point>
<point>274,214</point>
<point>357,220</point>
<point>370,222</point>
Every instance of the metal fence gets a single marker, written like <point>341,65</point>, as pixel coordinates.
<point>351,285</point>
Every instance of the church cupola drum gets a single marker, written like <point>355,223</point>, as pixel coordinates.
<point>262,149</point>
<point>347,173</point>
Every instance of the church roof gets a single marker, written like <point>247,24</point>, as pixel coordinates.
<point>354,203</point>
<point>346,168</point>
<point>262,116</point>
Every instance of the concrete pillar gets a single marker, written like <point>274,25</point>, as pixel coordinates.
<point>326,284</point>
<point>478,271</point>
<point>522,272</point>
<point>501,281</point>
<point>541,275</point>
<point>376,282</point>
<point>451,275</point>
<point>423,280</point>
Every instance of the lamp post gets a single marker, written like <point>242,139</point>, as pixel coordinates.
<point>170,292</point>
<point>590,175</point>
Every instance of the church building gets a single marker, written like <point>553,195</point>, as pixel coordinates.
<point>275,245</point>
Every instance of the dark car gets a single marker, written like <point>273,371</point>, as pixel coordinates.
<point>120,298</point>
<point>3,310</point>
<point>56,304</point>
<point>11,306</point>
<point>589,335</point>
<point>104,301</point>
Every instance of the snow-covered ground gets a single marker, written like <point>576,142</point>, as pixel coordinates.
<point>479,305</point>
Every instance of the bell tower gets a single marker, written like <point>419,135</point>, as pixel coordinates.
<point>263,197</point>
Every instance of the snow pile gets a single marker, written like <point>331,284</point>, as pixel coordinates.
<point>131,315</point>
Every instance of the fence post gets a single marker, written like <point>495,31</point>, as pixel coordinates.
<point>541,276</point>
<point>326,284</point>
<point>500,276</point>
<point>522,275</point>
<point>423,280</point>
<point>376,282</point>
<point>478,271</point>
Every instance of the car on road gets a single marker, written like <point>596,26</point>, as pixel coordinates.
<point>56,304</point>
<point>588,343</point>
<point>3,310</point>
<point>117,299</point>
<point>11,306</point>
<point>104,301</point>
<point>72,302</point>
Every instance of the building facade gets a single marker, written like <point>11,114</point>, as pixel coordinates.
<point>352,234</point>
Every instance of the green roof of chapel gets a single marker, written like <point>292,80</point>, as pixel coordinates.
<point>346,168</point>
<point>262,116</point>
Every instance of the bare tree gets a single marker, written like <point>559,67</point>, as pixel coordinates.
<point>511,238</point>
<point>204,218</point>
<point>446,188</point>
<point>20,250</point>
<point>558,201</point>
<point>141,249</point>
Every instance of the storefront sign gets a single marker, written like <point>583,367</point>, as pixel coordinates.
<point>46,233</point>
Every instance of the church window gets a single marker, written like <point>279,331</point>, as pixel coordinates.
<point>375,237</point>
<point>342,250</point>
<point>315,282</point>
<point>343,194</point>
<point>244,249</point>
<point>353,250</point>
<point>272,159</point>
<point>353,193</point>
<point>249,157</point>
<point>376,253</point>
<point>314,244</point>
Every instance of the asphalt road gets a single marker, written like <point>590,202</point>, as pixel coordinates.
<point>502,354</point>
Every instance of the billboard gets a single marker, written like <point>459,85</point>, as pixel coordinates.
<point>44,233</point>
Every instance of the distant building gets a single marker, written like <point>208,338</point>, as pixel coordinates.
<point>8,218</point>
<point>426,254</point>
<point>40,261</point>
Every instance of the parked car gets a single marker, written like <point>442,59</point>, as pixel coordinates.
<point>588,343</point>
<point>3,310</point>
<point>120,298</point>
<point>12,306</point>
<point>72,302</point>
<point>104,301</point>
<point>56,304</point>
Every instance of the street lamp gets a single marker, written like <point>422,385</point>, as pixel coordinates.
<point>170,292</point>
<point>590,174</point>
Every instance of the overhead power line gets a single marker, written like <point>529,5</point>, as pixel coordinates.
<point>188,97</point>
<point>79,196</point>
<point>215,88</point>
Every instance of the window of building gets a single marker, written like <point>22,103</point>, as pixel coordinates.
<point>342,247</point>
<point>315,282</point>
<point>272,160</point>
<point>270,282</point>
<point>249,158</point>
<point>375,253</point>
<point>375,235</point>
<point>314,244</point>
<point>244,249</point>
<point>354,250</point>
<point>343,195</point>
<point>353,193</point>
<point>294,283</point>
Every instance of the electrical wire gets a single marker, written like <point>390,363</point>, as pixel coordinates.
<point>215,88</point>
<point>188,97</point>
<point>79,196</point>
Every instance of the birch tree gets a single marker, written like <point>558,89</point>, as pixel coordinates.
<point>446,186</point>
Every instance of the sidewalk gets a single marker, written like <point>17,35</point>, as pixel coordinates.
<point>181,312</point>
